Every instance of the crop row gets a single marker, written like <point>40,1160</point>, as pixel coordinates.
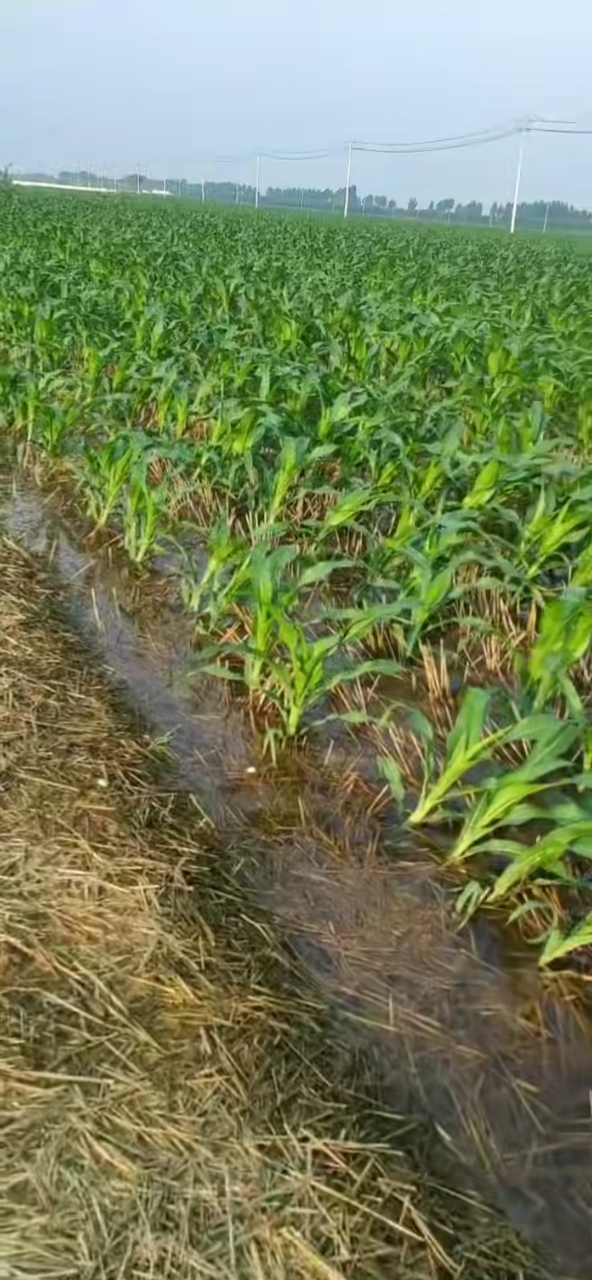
<point>371,449</point>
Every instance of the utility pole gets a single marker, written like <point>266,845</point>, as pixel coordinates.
<point>257,182</point>
<point>203,190</point>
<point>546,222</point>
<point>517,188</point>
<point>348,180</point>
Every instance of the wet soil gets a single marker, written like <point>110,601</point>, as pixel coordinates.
<point>458,1025</point>
<point>175,1102</point>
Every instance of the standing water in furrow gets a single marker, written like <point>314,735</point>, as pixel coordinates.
<point>455,1025</point>
<point>324,513</point>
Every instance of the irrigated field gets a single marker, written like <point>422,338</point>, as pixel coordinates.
<point>352,465</point>
<point>372,449</point>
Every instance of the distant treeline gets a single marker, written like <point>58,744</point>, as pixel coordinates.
<point>539,213</point>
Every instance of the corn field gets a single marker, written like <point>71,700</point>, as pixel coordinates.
<point>371,449</point>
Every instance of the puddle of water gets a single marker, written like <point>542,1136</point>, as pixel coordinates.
<point>458,1026</point>
<point>149,657</point>
<point>461,1029</point>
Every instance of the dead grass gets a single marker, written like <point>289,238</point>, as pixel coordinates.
<point>174,1103</point>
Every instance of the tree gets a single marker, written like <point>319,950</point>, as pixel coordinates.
<point>539,213</point>
<point>473,211</point>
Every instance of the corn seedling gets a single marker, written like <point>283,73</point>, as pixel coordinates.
<point>380,438</point>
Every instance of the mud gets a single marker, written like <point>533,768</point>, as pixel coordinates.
<point>459,1027</point>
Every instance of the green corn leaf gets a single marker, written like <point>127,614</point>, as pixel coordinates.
<point>542,856</point>
<point>321,572</point>
<point>221,672</point>
<point>559,945</point>
<point>470,722</point>
<point>393,776</point>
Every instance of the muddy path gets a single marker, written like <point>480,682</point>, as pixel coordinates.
<point>455,1027</point>
<point>174,1100</point>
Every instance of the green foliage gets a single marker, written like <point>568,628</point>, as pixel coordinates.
<point>370,437</point>
<point>290,665</point>
<point>564,640</point>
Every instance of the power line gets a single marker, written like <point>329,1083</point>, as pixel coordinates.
<point>427,148</point>
<point>240,158</point>
<point>299,155</point>
<point>422,146</point>
<point>452,140</point>
<point>475,138</point>
<point>244,157</point>
<point>576,132</point>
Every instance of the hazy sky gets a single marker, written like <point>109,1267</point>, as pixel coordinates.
<point>168,84</point>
